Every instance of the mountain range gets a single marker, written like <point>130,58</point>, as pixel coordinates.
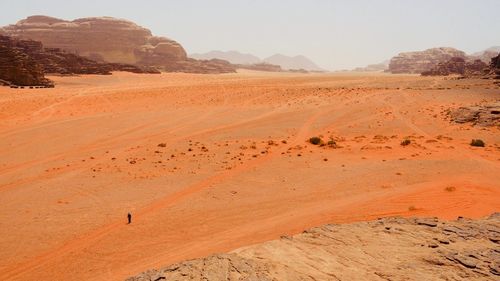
<point>286,62</point>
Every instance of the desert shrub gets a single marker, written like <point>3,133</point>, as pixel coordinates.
<point>405,142</point>
<point>412,208</point>
<point>477,142</point>
<point>162,145</point>
<point>450,188</point>
<point>315,140</point>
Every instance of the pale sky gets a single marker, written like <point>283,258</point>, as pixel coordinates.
<point>334,34</point>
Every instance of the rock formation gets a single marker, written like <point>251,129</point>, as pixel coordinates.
<point>458,65</point>
<point>17,68</point>
<point>418,62</point>
<point>481,115</point>
<point>30,57</point>
<point>110,40</point>
<point>385,249</point>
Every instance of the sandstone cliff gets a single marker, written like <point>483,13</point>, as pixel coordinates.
<point>24,63</point>
<point>386,249</point>
<point>17,68</point>
<point>111,40</point>
<point>418,62</point>
<point>458,65</point>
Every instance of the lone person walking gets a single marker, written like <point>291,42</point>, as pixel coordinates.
<point>129,216</point>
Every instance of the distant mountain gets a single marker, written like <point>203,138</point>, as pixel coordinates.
<point>233,57</point>
<point>487,54</point>
<point>297,62</point>
<point>378,67</point>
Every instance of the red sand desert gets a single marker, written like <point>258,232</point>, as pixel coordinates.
<point>211,163</point>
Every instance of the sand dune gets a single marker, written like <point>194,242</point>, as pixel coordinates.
<point>211,163</point>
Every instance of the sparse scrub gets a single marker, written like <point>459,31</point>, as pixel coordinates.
<point>405,142</point>
<point>450,188</point>
<point>478,143</point>
<point>316,140</point>
<point>412,208</point>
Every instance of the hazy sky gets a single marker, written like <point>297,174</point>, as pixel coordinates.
<point>334,34</point>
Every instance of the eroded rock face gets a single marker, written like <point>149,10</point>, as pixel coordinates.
<point>385,249</point>
<point>25,62</point>
<point>111,40</point>
<point>17,67</point>
<point>458,65</point>
<point>418,62</point>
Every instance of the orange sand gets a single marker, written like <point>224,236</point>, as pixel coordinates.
<point>235,170</point>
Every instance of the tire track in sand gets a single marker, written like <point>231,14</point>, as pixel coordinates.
<point>85,240</point>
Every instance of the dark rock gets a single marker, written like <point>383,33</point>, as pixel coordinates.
<point>17,67</point>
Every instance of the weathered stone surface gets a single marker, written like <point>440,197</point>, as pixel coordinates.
<point>111,40</point>
<point>25,62</point>
<point>386,249</point>
<point>458,65</point>
<point>17,68</point>
<point>418,62</point>
<point>483,115</point>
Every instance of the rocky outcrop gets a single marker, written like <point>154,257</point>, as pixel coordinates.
<point>110,40</point>
<point>481,115</point>
<point>458,65</point>
<point>385,249</point>
<point>418,62</point>
<point>25,62</point>
<point>17,68</point>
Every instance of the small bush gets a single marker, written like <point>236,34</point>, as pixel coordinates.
<point>412,208</point>
<point>477,142</point>
<point>405,142</point>
<point>450,188</point>
<point>315,140</point>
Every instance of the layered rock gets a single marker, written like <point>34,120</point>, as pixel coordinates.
<point>17,68</point>
<point>418,62</point>
<point>385,249</point>
<point>111,40</point>
<point>458,65</point>
<point>24,63</point>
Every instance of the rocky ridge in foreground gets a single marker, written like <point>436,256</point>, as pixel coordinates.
<point>385,249</point>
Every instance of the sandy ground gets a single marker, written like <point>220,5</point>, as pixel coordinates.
<point>211,163</point>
